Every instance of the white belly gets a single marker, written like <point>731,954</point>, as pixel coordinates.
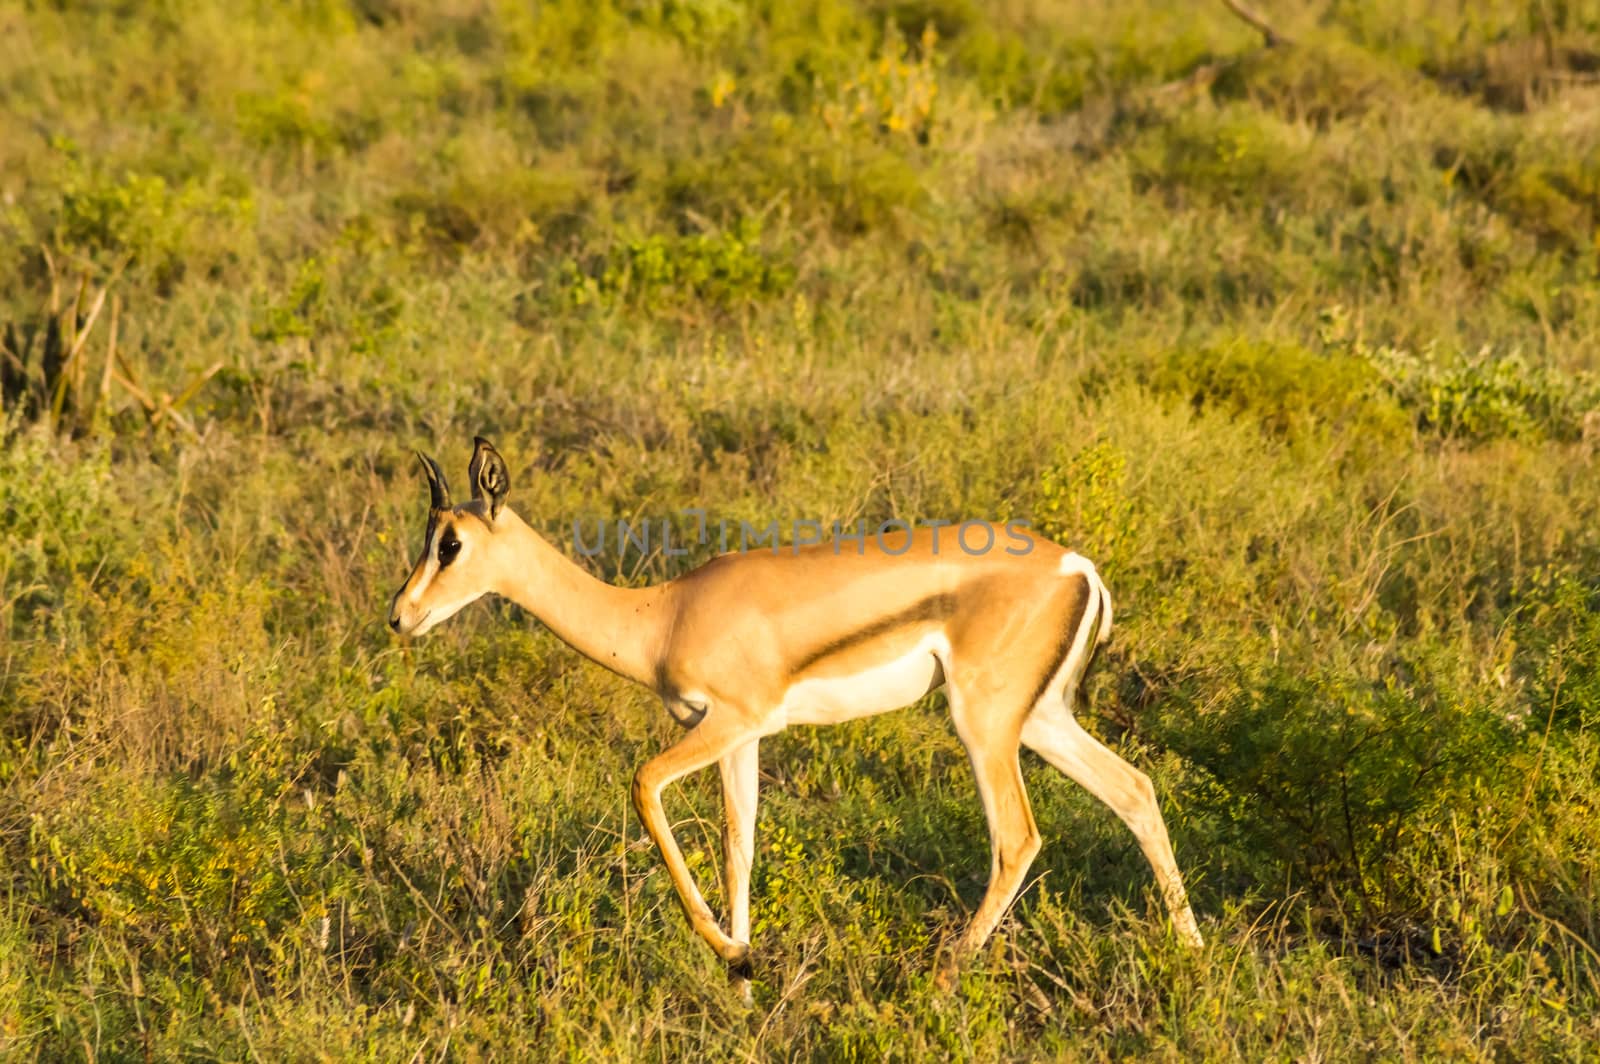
<point>891,685</point>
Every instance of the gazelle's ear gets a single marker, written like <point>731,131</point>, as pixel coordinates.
<point>490,481</point>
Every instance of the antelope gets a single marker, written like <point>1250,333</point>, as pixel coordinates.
<point>750,643</point>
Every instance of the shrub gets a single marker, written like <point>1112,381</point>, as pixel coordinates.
<point>195,873</point>
<point>52,511</point>
<point>346,291</point>
<point>1009,68</point>
<point>285,119</point>
<point>1290,391</point>
<point>723,268</point>
<point>1483,396</point>
<point>1548,189</point>
<point>894,95</point>
<point>144,219</point>
<point>1328,775</point>
<point>1318,82</point>
<point>1083,500</point>
<point>1557,203</point>
<point>1234,155</point>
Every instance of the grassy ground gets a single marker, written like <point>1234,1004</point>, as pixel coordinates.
<point>1297,343</point>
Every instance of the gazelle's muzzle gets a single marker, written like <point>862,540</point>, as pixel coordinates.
<point>405,617</point>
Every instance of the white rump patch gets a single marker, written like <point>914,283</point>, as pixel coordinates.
<point>1074,563</point>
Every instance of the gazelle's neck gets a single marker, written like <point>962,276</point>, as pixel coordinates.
<point>622,629</point>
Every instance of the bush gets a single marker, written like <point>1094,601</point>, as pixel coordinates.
<point>1291,392</point>
<point>52,518</point>
<point>1319,82</point>
<point>893,96</point>
<point>725,269</point>
<point>1333,779</point>
<point>1483,396</point>
<point>1083,500</point>
<point>143,219</point>
<point>1235,155</point>
<point>195,875</point>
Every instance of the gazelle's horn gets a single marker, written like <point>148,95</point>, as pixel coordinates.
<point>439,490</point>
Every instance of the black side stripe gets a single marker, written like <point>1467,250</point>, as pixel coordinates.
<point>1069,635</point>
<point>932,608</point>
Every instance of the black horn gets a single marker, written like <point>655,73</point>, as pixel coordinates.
<point>437,487</point>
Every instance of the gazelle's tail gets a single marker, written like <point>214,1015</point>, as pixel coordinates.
<point>1102,636</point>
<point>1103,627</point>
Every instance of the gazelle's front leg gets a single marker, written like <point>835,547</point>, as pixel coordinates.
<point>720,734</point>
<point>740,783</point>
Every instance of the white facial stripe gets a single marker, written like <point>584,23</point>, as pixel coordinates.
<point>430,564</point>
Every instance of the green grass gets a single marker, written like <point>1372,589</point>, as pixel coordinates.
<point>1300,351</point>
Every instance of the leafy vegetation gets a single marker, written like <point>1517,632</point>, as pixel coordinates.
<point>1294,341</point>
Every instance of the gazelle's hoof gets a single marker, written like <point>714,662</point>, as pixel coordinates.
<point>742,970</point>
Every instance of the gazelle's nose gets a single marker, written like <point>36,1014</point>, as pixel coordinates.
<point>394,621</point>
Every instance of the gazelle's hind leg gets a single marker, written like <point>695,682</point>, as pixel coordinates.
<point>1056,736</point>
<point>991,737</point>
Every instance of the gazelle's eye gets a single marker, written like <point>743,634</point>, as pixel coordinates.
<point>449,547</point>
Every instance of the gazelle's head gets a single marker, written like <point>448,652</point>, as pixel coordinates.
<point>458,563</point>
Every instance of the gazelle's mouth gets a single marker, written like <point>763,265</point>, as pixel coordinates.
<point>416,627</point>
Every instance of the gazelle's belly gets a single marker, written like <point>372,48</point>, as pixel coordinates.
<point>878,688</point>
